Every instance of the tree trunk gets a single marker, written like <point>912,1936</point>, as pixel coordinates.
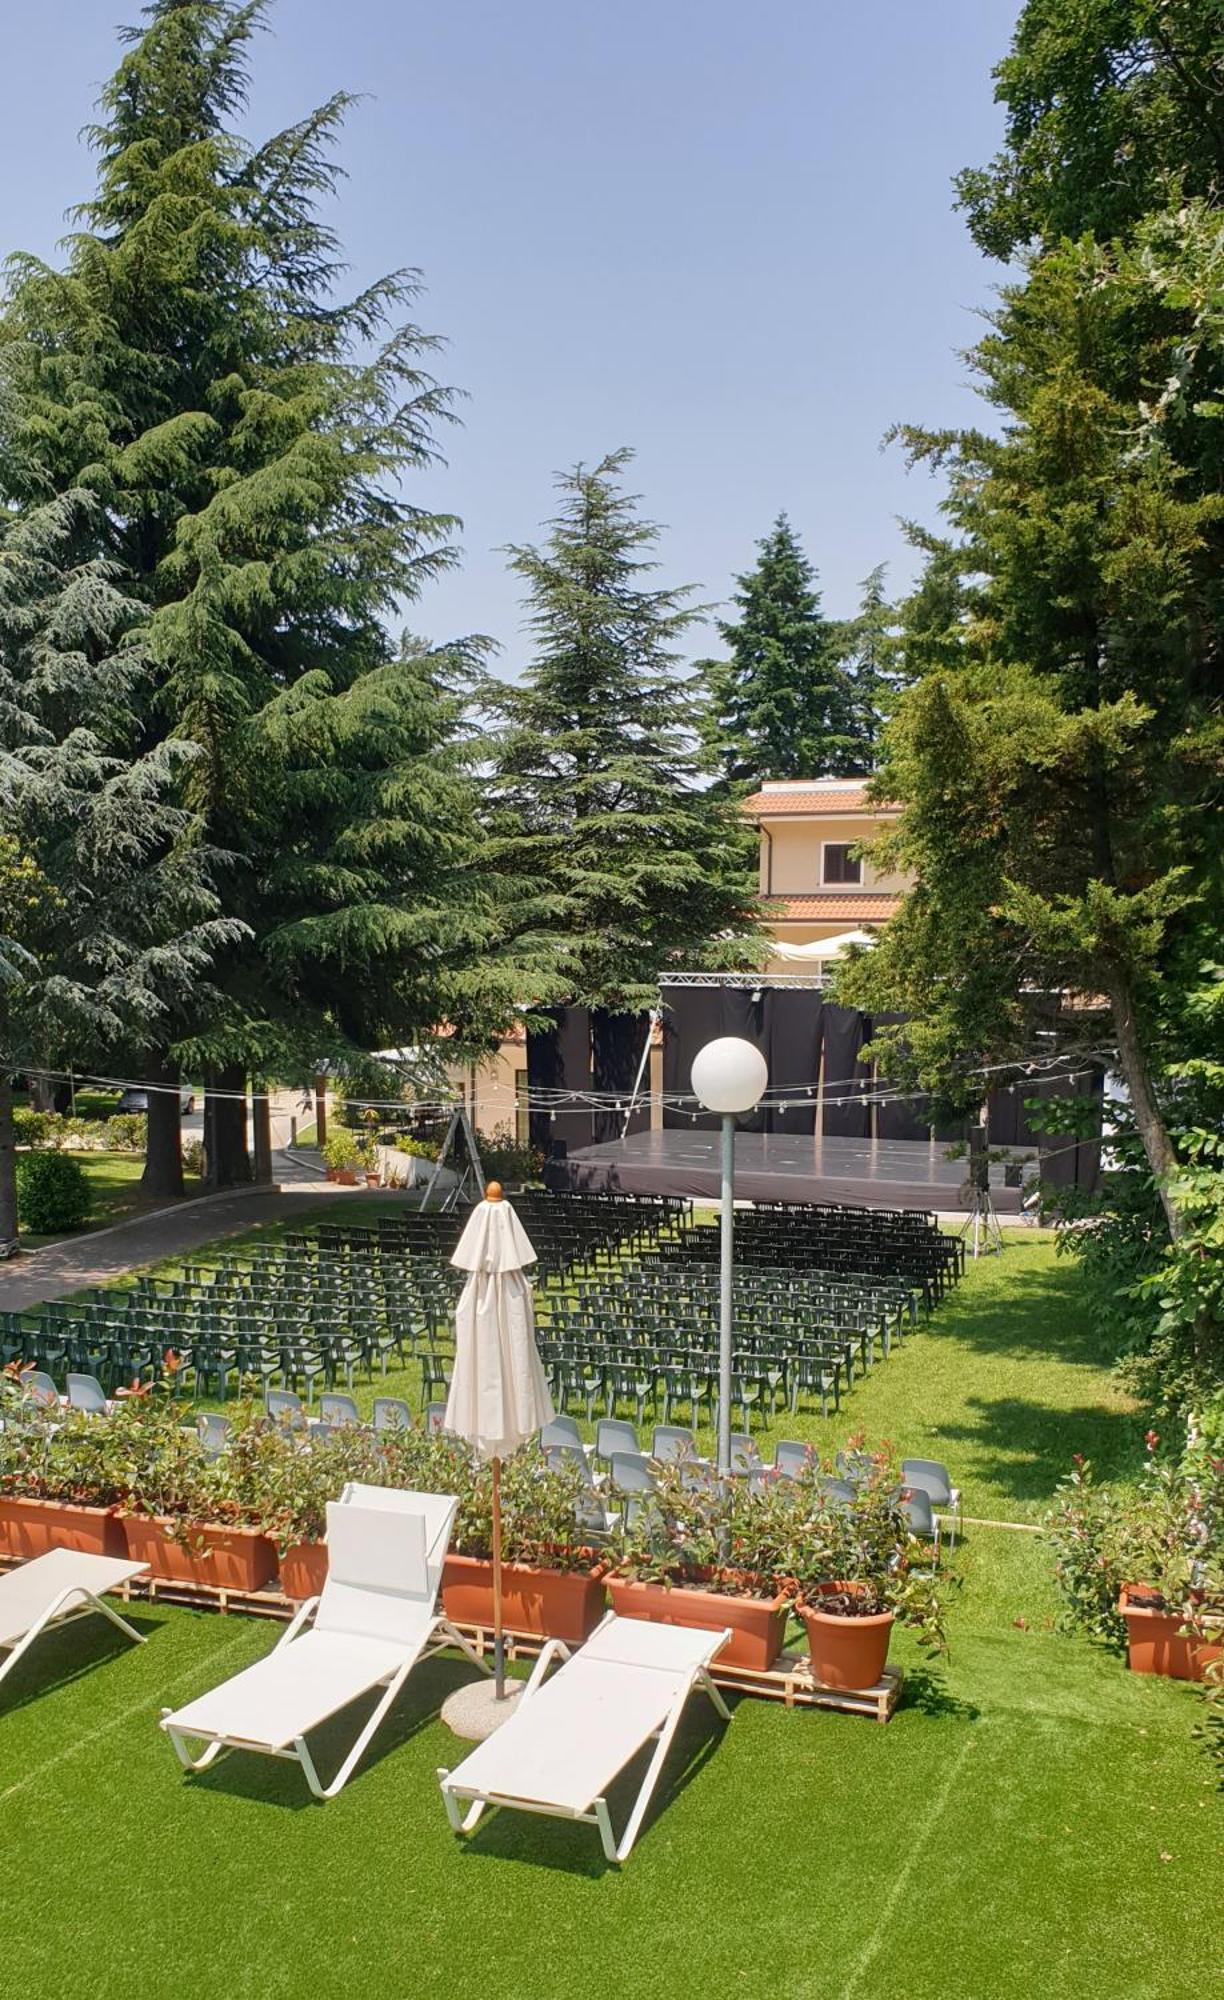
<point>163,1168</point>
<point>1149,1123</point>
<point>8,1166</point>
<point>261,1132</point>
<point>42,1094</point>
<point>320,1111</point>
<point>227,1161</point>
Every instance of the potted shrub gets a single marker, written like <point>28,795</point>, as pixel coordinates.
<point>343,1156</point>
<point>192,1519</point>
<point>1145,1566</point>
<point>855,1569</point>
<point>290,1480</point>
<point>60,1481</point>
<point>703,1554</point>
<point>552,1581</point>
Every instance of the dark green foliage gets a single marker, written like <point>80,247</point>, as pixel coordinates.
<point>243,434</point>
<point>1114,109</point>
<point>52,1193</point>
<point>783,705</point>
<point>615,862</point>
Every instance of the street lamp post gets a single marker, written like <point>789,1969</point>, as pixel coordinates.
<point>729,1076</point>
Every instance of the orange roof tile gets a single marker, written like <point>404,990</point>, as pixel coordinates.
<point>849,907</point>
<point>799,804</point>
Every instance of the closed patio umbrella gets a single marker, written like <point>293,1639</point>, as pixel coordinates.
<point>499,1395</point>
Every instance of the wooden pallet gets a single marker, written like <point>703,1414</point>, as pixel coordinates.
<point>789,1681</point>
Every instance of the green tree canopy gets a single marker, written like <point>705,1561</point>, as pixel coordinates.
<point>247,433</point>
<point>617,862</point>
<point>781,705</point>
<point>1115,108</point>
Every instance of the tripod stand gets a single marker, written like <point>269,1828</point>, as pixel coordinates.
<point>469,1172</point>
<point>982,1221</point>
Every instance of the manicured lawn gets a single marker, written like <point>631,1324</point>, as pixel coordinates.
<point>1034,1820</point>
<point>114,1183</point>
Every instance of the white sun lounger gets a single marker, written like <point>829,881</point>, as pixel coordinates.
<point>571,1736</point>
<point>377,1616</point>
<point>48,1590</point>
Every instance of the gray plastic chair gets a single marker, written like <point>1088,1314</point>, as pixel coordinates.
<point>838,1490</point>
<point>629,1479</point>
<point>745,1458</point>
<point>391,1413</point>
<point>614,1435</point>
<point>39,1387</point>
<point>284,1406</point>
<point>85,1392</point>
<point>336,1409</point>
<point>435,1418</point>
<point>672,1441</point>
<point>929,1476</point>
<point>559,1456</point>
<point>562,1430</point>
<point>918,1511</point>
<point>213,1431</point>
<point>791,1458</point>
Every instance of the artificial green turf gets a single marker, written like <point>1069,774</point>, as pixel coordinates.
<point>1033,1821</point>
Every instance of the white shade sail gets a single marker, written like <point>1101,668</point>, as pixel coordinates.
<point>499,1394</point>
<point>830,947</point>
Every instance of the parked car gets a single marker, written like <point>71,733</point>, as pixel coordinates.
<point>138,1100</point>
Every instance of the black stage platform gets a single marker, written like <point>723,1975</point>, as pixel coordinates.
<point>864,1173</point>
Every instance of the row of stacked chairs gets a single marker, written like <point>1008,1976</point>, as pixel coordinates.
<point>651,1343</point>
<point>880,1243</point>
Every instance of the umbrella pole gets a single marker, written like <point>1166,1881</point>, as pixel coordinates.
<point>499,1643</point>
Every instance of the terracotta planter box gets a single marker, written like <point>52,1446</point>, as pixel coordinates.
<point>303,1570</point>
<point>846,1653</point>
<point>32,1527</point>
<point>758,1624</point>
<point>553,1603</point>
<point>214,1558</point>
<point>342,1176</point>
<point>1156,1644</point>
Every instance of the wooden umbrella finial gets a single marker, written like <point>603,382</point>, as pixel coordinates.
<point>493,1191</point>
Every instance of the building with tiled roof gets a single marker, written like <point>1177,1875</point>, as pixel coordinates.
<point>816,884</point>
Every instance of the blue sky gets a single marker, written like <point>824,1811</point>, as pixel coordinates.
<point>721,234</point>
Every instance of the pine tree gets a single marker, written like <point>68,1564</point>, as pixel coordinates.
<point>617,863</point>
<point>780,706</point>
<point>108,915</point>
<point>247,432</point>
<point>871,665</point>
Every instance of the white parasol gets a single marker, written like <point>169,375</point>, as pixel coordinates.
<point>499,1394</point>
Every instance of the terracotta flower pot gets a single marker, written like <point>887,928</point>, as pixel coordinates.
<point>32,1527</point>
<point>758,1624</point>
<point>303,1570</point>
<point>846,1652</point>
<point>214,1558</point>
<point>1155,1643</point>
<point>342,1176</point>
<point>551,1603</point>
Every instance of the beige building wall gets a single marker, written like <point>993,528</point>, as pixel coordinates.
<point>792,857</point>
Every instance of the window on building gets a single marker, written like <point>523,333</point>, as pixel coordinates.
<point>841,864</point>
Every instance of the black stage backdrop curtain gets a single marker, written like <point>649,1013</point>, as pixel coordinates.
<point>616,1050</point>
<point>846,1079</point>
<point>794,1018</point>
<point>784,1023</point>
<point>692,1016</point>
<point>559,1058</point>
<point>898,1117</point>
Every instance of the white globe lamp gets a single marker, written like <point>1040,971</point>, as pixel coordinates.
<point>729,1077</point>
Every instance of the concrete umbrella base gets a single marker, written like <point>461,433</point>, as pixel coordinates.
<point>474,1712</point>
